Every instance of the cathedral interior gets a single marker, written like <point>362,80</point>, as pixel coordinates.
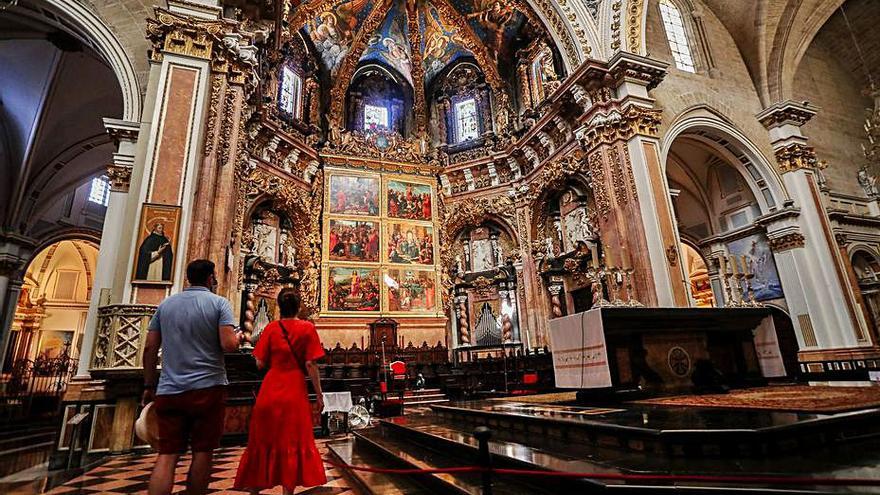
<point>627,236</point>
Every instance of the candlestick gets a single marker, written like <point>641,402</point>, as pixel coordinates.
<point>745,265</point>
<point>607,253</point>
<point>733,265</point>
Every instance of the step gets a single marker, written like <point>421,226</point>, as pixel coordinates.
<point>423,397</point>
<point>25,439</point>
<point>346,451</point>
<point>424,402</point>
<point>413,455</point>
<point>25,457</point>
<point>423,391</point>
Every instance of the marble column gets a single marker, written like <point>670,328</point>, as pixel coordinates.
<point>636,220</point>
<point>822,301</point>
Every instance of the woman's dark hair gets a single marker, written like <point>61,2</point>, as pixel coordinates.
<point>289,302</point>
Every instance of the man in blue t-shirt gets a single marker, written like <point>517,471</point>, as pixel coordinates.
<point>193,328</point>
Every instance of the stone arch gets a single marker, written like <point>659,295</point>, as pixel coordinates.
<point>706,125</point>
<point>99,35</point>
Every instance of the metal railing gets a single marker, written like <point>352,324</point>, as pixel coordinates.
<point>35,387</point>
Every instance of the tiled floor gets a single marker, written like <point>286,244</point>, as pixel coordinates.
<point>131,474</point>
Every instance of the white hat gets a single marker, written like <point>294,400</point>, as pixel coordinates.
<point>147,426</point>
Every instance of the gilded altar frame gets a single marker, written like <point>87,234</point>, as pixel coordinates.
<point>384,265</point>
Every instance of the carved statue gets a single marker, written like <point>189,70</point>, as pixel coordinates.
<point>867,181</point>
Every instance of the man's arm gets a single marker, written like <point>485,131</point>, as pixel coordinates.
<point>229,339</point>
<point>151,359</point>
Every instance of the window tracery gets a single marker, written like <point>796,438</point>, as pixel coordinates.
<point>677,36</point>
<point>100,191</point>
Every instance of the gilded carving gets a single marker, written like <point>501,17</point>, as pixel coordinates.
<point>615,125</point>
<point>635,25</point>
<point>119,177</point>
<point>796,156</point>
<point>618,175</point>
<point>597,184</point>
<point>786,242</point>
<point>381,145</point>
<point>560,28</point>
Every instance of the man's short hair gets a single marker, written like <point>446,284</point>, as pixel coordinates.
<point>199,271</point>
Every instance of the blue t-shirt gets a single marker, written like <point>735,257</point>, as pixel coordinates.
<point>192,357</point>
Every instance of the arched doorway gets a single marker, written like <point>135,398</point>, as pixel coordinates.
<point>719,193</point>
<point>867,270</point>
<point>50,316</point>
<point>697,272</point>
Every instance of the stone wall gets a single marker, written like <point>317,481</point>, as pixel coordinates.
<point>728,88</point>
<point>836,131</point>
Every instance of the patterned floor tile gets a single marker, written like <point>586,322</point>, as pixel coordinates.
<point>130,475</point>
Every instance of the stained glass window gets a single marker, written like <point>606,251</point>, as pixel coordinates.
<point>375,117</point>
<point>100,191</point>
<point>291,91</point>
<point>677,36</point>
<point>467,127</point>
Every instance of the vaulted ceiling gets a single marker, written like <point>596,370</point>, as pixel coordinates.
<point>54,92</point>
<point>773,35</point>
<point>403,34</point>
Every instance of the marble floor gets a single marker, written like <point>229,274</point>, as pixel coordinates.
<point>130,475</point>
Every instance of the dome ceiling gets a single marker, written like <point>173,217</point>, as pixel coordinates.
<point>380,31</point>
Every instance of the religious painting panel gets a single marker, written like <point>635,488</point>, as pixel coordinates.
<point>54,344</point>
<point>496,23</point>
<point>408,200</point>
<point>156,244</point>
<point>411,291</point>
<point>410,243</point>
<point>760,261</point>
<point>354,195</point>
<point>353,289</point>
<point>353,240</point>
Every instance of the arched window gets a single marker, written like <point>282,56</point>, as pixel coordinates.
<point>100,191</point>
<point>677,36</point>
<point>290,97</point>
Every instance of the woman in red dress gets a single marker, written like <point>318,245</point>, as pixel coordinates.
<point>281,447</point>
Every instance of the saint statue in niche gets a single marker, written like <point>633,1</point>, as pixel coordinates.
<point>265,241</point>
<point>155,256</point>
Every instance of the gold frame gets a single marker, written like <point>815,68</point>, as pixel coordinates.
<point>176,212</point>
<point>383,265</point>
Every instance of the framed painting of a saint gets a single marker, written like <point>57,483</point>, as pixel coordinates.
<point>156,244</point>
<point>411,290</point>
<point>354,289</point>
<point>411,201</point>
<point>354,195</point>
<point>410,244</point>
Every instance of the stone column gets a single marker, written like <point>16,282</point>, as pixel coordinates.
<point>462,322</point>
<point>556,288</point>
<point>125,134</point>
<point>822,301</point>
<point>15,252</point>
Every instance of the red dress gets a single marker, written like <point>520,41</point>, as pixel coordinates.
<point>281,446</point>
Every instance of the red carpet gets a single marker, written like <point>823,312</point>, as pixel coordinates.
<point>800,398</point>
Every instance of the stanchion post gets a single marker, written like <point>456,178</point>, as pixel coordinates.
<point>482,434</point>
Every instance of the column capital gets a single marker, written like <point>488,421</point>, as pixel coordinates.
<point>787,112</point>
<point>626,67</point>
<point>786,242</point>
<point>122,130</point>
<point>15,252</point>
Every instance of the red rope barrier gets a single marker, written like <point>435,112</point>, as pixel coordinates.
<point>681,478</point>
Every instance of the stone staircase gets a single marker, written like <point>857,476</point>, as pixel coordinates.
<point>423,397</point>
<point>428,440</point>
<point>25,444</point>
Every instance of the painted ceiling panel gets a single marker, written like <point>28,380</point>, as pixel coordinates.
<point>442,41</point>
<point>333,30</point>
<point>390,43</point>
